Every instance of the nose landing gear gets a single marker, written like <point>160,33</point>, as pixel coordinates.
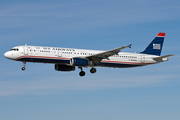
<point>24,64</point>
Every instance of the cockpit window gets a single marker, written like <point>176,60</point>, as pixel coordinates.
<point>14,49</point>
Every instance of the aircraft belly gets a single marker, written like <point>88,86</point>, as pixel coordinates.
<point>45,60</point>
<point>118,65</point>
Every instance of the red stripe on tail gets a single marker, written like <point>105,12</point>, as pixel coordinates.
<point>161,34</point>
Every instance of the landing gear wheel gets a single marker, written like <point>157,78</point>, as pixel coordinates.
<point>24,64</point>
<point>93,70</point>
<point>82,73</point>
<point>23,68</point>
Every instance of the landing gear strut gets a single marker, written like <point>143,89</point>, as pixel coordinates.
<point>93,70</point>
<point>82,73</point>
<point>24,64</point>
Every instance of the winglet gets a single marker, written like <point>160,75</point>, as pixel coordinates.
<point>129,45</point>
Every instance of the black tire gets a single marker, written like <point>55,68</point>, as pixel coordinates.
<point>93,70</point>
<point>82,73</point>
<point>23,68</point>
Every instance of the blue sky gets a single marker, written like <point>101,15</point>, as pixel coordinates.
<point>40,92</point>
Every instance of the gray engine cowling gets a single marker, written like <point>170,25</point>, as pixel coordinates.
<point>80,62</point>
<point>59,67</point>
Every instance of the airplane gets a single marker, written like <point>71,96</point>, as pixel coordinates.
<point>67,59</point>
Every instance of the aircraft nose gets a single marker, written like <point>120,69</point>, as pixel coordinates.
<point>7,55</point>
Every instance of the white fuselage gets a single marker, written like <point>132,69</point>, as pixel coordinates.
<point>63,55</point>
<point>67,59</point>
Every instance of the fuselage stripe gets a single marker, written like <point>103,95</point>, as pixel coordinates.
<point>61,58</point>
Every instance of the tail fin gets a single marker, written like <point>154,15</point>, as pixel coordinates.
<point>155,47</point>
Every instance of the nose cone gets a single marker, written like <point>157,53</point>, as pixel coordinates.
<point>7,55</point>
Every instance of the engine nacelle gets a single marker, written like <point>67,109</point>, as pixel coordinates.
<point>60,67</point>
<point>80,62</point>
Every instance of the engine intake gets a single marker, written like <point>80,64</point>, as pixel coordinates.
<point>59,67</point>
<point>80,62</point>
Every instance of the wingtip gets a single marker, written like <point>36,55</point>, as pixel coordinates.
<point>130,45</point>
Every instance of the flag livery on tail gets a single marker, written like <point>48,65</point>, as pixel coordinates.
<point>155,47</point>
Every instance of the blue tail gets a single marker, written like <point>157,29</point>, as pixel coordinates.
<point>155,47</point>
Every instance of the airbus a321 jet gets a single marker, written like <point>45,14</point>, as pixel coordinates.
<point>67,59</point>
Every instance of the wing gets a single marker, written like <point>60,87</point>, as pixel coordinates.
<point>105,55</point>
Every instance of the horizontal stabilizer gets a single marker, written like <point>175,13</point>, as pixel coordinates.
<point>162,58</point>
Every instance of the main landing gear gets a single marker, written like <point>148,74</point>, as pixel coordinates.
<point>24,64</point>
<point>93,70</point>
<point>82,73</point>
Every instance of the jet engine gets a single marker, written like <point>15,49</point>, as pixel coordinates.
<point>80,62</point>
<point>60,67</point>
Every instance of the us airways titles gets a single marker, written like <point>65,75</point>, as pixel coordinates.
<point>62,49</point>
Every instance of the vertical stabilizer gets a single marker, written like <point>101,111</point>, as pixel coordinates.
<point>155,47</point>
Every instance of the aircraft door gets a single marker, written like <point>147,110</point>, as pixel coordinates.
<point>142,58</point>
<point>59,53</point>
<point>25,50</point>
